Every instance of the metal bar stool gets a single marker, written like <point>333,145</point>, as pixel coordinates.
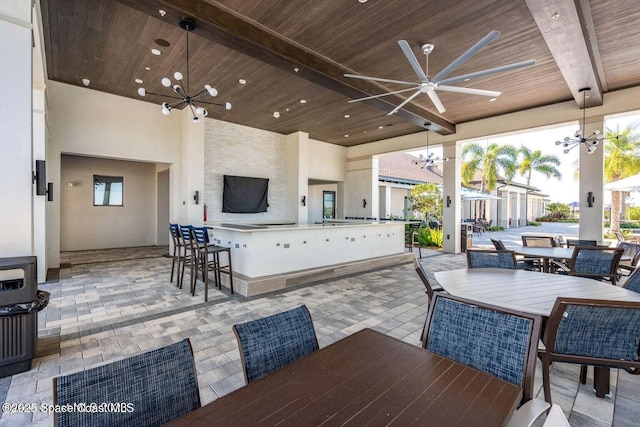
<point>208,255</point>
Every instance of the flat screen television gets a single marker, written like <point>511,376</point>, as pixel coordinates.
<point>242,194</point>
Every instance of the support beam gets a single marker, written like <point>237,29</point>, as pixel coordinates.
<point>564,27</point>
<point>223,26</point>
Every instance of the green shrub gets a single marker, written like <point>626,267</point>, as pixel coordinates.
<point>431,237</point>
<point>495,228</point>
<point>534,223</point>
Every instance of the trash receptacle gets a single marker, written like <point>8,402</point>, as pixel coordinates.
<point>466,236</point>
<point>20,302</point>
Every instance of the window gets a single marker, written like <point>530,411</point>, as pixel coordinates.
<point>108,190</point>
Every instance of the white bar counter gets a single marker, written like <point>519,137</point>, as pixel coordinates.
<point>267,257</point>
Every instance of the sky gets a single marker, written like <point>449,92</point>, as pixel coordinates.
<point>564,190</point>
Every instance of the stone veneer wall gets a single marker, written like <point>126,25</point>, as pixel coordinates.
<point>231,149</point>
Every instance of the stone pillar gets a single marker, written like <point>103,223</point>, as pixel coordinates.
<point>592,184</point>
<point>451,204</point>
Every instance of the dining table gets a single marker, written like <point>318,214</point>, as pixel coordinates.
<point>531,292</point>
<point>546,254</point>
<point>367,378</point>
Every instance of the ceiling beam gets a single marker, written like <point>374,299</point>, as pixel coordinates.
<point>225,27</point>
<point>565,28</point>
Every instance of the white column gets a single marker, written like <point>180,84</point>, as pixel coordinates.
<point>298,173</point>
<point>361,187</point>
<point>17,191</point>
<point>591,181</point>
<point>451,204</point>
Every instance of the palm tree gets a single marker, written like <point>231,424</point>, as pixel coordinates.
<point>536,161</point>
<point>621,160</point>
<point>495,159</point>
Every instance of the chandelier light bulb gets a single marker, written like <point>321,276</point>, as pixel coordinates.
<point>566,151</point>
<point>177,88</point>
<point>196,119</point>
<point>200,111</point>
<point>227,105</point>
<point>205,112</point>
<point>567,139</point>
<point>212,90</point>
<point>594,143</point>
<point>166,82</point>
<point>142,91</point>
<point>558,142</point>
<point>578,133</point>
<point>177,75</point>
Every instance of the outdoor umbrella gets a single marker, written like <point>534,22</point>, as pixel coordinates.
<point>631,183</point>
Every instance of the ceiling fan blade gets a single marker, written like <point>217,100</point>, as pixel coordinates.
<point>436,101</point>
<point>382,94</point>
<point>378,79</point>
<point>487,72</point>
<point>469,91</point>
<point>406,49</point>
<point>404,103</point>
<point>465,56</point>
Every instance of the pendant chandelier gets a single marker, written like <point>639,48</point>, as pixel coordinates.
<point>591,141</point>
<point>183,91</point>
<point>430,159</point>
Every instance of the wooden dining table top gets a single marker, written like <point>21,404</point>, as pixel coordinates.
<point>526,291</point>
<point>366,378</point>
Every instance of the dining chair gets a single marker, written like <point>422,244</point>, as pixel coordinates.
<point>178,251</point>
<point>207,257</point>
<point>491,339</point>
<point>631,253</point>
<point>427,286</point>
<point>149,389</point>
<point>619,236</point>
<point>484,258</point>
<point>272,342</point>
<point>412,236</point>
<point>592,332</point>
<point>595,262</point>
<point>539,241</point>
<point>523,263</point>
<point>186,260</point>
<point>633,281</point>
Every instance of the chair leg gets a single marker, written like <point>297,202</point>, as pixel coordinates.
<point>583,374</point>
<point>545,379</point>
<point>173,264</point>
<point>230,271</point>
<point>181,271</point>
<point>205,274</point>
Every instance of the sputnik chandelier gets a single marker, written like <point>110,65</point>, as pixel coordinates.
<point>591,141</point>
<point>183,90</point>
<point>430,158</point>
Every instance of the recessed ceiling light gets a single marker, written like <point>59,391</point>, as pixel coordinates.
<point>162,12</point>
<point>276,114</point>
<point>380,127</point>
<point>303,101</point>
<point>466,80</point>
<point>296,69</point>
<point>139,81</point>
<point>362,1</point>
<point>147,68</point>
<point>156,52</point>
<point>86,82</point>
<point>346,116</point>
<point>346,136</point>
<point>242,81</point>
<point>286,109</point>
<point>492,99</point>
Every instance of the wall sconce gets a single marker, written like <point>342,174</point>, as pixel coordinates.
<point>448,201</point>
<point>196,197</point>
<point>40,177</point>
<point>304,200</point>
<point>364,203</point>
<point>590,199</point>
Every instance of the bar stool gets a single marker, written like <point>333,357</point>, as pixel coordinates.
<point>187,260</point>
<point>208,257</point>
<point>178,250</point>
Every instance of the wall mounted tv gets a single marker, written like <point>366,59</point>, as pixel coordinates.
<point>241,194</point>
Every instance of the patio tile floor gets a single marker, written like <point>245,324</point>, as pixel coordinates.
<point>107,306</point>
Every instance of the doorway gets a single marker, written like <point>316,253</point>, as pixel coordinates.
<point>328,205</point>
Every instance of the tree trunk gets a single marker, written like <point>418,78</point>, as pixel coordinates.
<point>623,205</point>
<point>615,210</point>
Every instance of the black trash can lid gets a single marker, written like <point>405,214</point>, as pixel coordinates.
<point>41,301</point>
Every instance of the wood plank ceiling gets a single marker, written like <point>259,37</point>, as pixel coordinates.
<point>263,42</point>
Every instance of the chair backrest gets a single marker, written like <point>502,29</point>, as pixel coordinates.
<point>633,281</point>
<point>594,332</point>
<point>174,230</point>
<point>185,232</point>
<point>498,245</point>
<point>484,258</point>
<point>631,250</point>
<point>272,342</point>
<point>596,262</point>
<point>539,241</point>
<point>619,236</point>
<point>572,243</point>
<point>201,234</point>
<point>491,339</point>
<point>423,276</point>
<point>161,385</point>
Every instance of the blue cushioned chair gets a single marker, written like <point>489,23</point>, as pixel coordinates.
<point>633,281</point>
<point>592,332</point>
<point>491,339</point>
<point>161,385</point>
<point>272,342</point>
<point>595,262</point>
<point>481,258</point>
<point>429,288</point>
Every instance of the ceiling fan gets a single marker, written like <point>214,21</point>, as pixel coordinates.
<point>438,82</point>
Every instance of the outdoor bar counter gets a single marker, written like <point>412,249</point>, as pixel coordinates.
<point>268,257</point>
